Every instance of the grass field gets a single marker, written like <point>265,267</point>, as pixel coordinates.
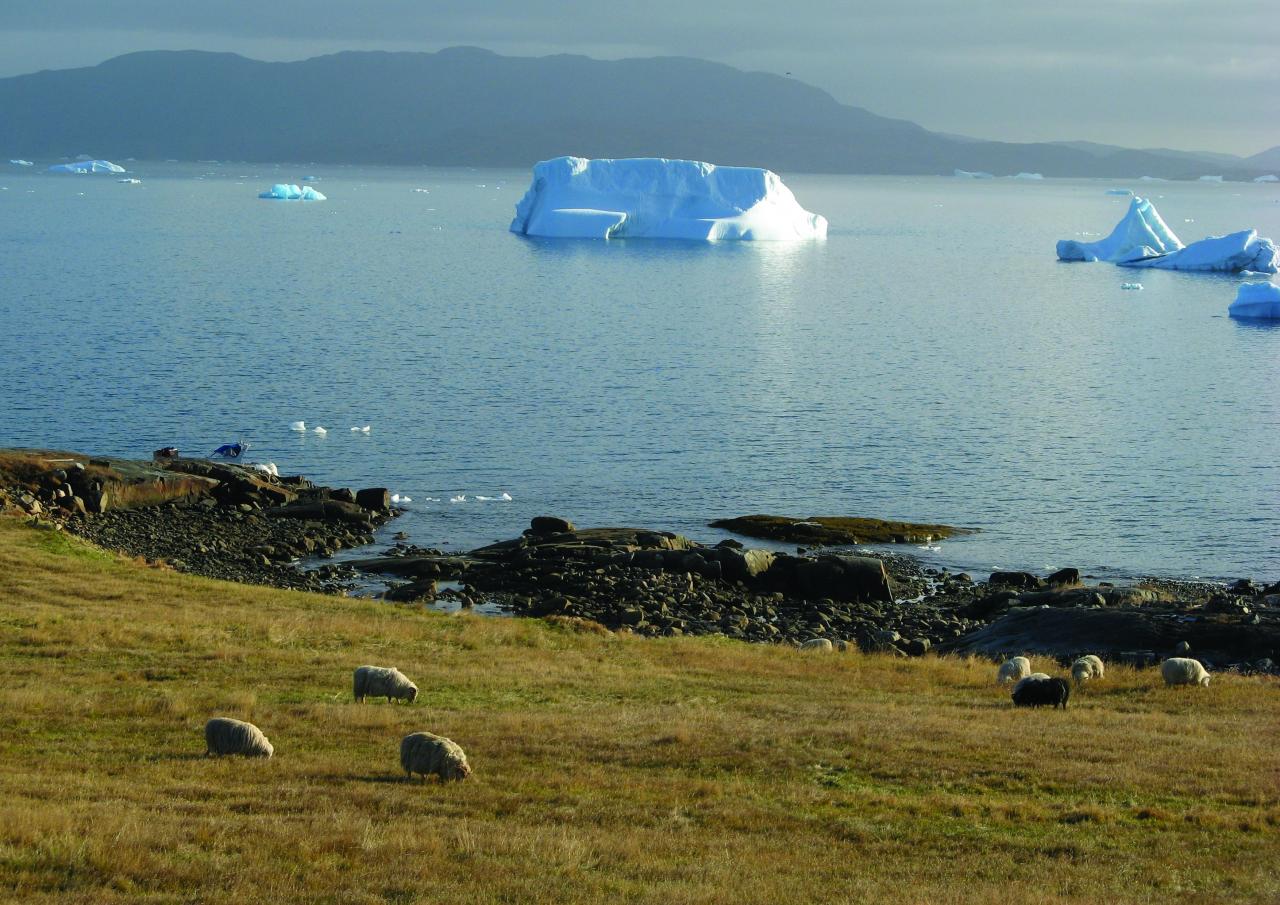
<point>607,768</point>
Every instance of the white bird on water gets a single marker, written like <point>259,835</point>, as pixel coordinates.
<point>298,426</point>
<point>361,430</point>
<point>319,430</point>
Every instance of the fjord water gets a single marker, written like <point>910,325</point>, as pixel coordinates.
<point>930,361</point>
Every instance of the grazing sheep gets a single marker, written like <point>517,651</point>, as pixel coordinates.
<point>383,681</point>
<point>1184,671</point>
<point>1013,670</point>
<point>223,735</point>
<point>818,644</point>
<point>1036,692</point>
<point>1086,668</point>
<point>425,753</point>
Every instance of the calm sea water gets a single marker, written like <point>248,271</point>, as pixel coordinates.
<point>930,361</point>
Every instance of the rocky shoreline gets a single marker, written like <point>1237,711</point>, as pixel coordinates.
<point>235,522</point>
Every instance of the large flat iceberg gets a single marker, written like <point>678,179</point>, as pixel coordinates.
<point>656,198</point>
<point>1142,239</point>
<point>1256,300</point>
<point>87,166</point>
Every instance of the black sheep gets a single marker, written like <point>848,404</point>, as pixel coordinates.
<point>1031,692</point>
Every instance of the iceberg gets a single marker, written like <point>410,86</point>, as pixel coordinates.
<point>656,198</point>
<point>19,162</point>
<point>1141,234</point>
<point>1270,177</point>
<point>1210,179</point>
<point>1029,176</point>
<point>1119,191</point>
<point>87,166</point>
<point>1256,300</point>
<point>282,191</point>
<point>1231,253</point>
<point>966,174</point>
<point>1142,239</point>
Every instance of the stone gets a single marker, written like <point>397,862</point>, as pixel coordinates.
<point>918,647</point>
<point>845,578</point>
<point>343,495</point>
<point>543,525</point>
<point>1023,580</point>
<point>1064,578</point>
<point>374,499</point>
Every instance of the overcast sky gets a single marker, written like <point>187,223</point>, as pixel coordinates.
<point>1188,74</point>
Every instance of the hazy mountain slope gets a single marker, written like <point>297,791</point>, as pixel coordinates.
<point>466,106</point>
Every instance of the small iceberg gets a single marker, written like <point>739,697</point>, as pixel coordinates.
<point>128,181</point>
<point>1256,300</point>
<point>399,498</point>
<point>87,166</point>
<point>298,426</point>
<point>19,162</point>
<point>1143,239</point>
<point>361,430</point>
<point>283,191</point>
<point>969,174</point>
<point>1131,286</point>
<point>460,498</point>
<point>1270,177</point>
<point>1033,176</point>
<point>656,198</point>
<point>319,430</point>
<point>1119,191</point>
<point>1210,179</point>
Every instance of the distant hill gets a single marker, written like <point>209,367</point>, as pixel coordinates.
<point>465,106</point>
<point>1268,160</point>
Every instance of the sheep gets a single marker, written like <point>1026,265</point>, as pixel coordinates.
<point>1013,670</point>
<point>1039,692</point>
<point>818,644</point>
<point>1086,668</point>
<point>1184,671</point>
<point>383,681</point>
<point>423,753</point>
<point>223,735</point>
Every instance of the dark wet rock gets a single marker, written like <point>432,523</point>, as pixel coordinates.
<point>835,530</point>
<point>324,511</point>
<point>1021,580</point>
<point>543,525</point>
<point>375,499</point>
<point>1064,578</point>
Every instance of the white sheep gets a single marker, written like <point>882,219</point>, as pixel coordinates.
<point>1184,671</point>
<point>1086,668</point>
<point>818,644</point>
<point>223,735</point>
<point>1013,670</point>
<point>383,681</point>
<point>423,753</point>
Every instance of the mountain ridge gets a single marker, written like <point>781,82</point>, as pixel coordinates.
<point>470,106</point>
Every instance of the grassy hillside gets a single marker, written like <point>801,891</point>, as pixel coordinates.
<point>607,768</point>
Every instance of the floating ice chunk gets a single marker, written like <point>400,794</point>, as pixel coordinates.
<point>1029,176</point>
<point>283,191</point>
<point>361,430</point>
<point>651,197</point>
<point>968,174</point>
<point>319,430</point>
<point>1270,177</point>
<point>1141,234</point>
<point>1256,300</point>
<point>460,498</point>
<point>506,497</point>
<point>310,194</point>
<point>130,181</point>
<point>1131,286</point>
<point>87,166</point>
<point>1232,253</point>
<point>401,498</point>
<point>298,426</point>
<point>423,191</point>
<point>1210,179</point>
<point>1152,179</point>
<point>19,162</point>
<point>1119,191</point>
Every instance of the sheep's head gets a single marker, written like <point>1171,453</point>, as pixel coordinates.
<point>1204,680</point>
<point>413,693</point>
<point>457,770</point>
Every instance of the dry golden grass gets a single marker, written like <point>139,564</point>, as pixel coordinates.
<point>607,768</point>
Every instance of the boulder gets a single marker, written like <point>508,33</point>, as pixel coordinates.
<point>1015,580</point>
<point>846,578</point>
<point>375,499</point>
<point>323,511</point>
<point>1064,578</point>
<point>543,525</point>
